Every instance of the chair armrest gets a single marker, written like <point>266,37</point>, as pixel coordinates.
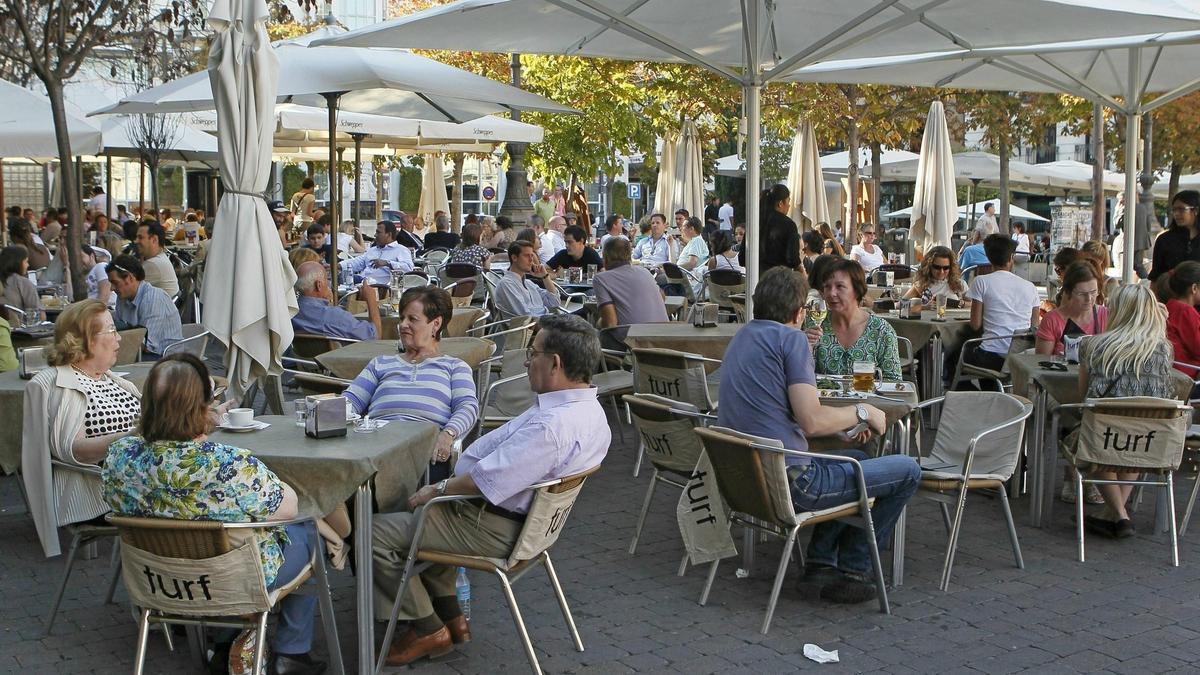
<point>485,326</point>
<point>298,361</point>
<point>264,524</point>
<point>930,403</point>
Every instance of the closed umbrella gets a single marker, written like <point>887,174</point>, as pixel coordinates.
<point>251,310</point>
<point>688,190</point>
<point>664,193</point>
<point>433,189</point>
<point>935,203</point>
<point>806,181</point>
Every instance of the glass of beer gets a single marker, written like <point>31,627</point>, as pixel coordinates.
<point>940,306</point>
<point>864,376</point>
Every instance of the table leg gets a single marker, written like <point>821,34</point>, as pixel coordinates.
<point>935,371</point>
<point>898,530</point>
<point>364,582</point>
<point>1033,453</point>
<point>748,550</point>
<point>1046,470</point>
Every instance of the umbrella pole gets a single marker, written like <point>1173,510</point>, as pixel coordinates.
<point>108,205</point>
<point>358,139</point>
<point>751,88</point>
<point>3,205</point>
<point>1133,122</point>
<point>331,102</point>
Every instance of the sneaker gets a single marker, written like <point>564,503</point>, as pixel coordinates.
<point>816,578</point>
<point>850,589</point>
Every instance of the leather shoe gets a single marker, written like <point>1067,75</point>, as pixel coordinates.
<point>437,643</point>
<point>303,664</point>
<point>460,630</point>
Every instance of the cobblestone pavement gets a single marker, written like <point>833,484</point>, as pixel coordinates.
<point>1126,610</point>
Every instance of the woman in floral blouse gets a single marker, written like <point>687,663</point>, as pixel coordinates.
<point>172,470</point>
<point>850,333</point>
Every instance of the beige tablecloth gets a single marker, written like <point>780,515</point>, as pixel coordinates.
<point>349,361</point>
<point>325,472</point>
<point>894,406</point>
<point>683,337</point>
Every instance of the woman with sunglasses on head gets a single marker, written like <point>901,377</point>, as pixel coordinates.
<point>1181,241</point>
<point>938,276</point>
<point>1078,312</point>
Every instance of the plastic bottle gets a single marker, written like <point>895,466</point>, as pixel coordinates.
<point>463,586</point>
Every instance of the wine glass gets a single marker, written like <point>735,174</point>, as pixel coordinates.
<point>817,309</point>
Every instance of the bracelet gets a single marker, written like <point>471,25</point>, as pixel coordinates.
<point>450,432</point>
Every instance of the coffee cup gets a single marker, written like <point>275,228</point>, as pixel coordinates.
<point>241,417</point>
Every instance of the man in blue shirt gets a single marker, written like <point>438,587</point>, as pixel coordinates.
<point>768,389</point>
<point>318,316</point>
<point>141,304</point>
<point>385,257</point>
<point>973,255</point>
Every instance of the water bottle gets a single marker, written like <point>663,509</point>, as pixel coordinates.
<point>463,586</point>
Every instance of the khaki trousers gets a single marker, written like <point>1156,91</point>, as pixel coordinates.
<point>450,527</point>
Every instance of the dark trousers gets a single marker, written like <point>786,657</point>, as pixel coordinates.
<point>978,356</point>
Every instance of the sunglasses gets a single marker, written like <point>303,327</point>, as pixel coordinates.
<point>941,268</point>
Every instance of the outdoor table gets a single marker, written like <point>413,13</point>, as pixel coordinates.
<point>684,337</point>
<point>930,339</point>
<point>326,472</point>
<point>350,360</point>
<point>40,335</point>
<point>1048,389</point>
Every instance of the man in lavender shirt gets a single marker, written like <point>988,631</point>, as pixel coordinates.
<point>318,315</point>
<point>563,434</point>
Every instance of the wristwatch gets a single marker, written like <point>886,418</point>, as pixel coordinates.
<point>441,486</point>
<point>450,432</point>
<point>860,411</point>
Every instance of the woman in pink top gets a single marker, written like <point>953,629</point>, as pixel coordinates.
<point>1078,312</point>
<point>1181,289</point>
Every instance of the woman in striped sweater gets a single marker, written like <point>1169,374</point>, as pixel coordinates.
<point>420,383</point>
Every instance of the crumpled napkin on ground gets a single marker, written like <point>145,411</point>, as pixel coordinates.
<point>820,655</point>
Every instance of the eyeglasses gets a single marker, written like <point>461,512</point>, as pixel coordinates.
<point>941,268</point>
<point>1182,209</point>
<point>530,352</point>
<point>109,331</point>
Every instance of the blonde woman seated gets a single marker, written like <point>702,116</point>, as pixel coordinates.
<point>849,332</point>
<point>938,277</point>
<point>1132,358</point>
<point>73,411</point>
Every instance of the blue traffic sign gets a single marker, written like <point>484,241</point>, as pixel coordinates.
<point>635,190</point>
<point>489,193</point>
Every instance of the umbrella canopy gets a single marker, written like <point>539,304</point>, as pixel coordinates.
<point>983,167</point>
<point>752,42</point>
<point>688,190</point>
<point>838,162</point>
<point>250,308</point>
<point>190,143</point>
<point>934,198</point>
<point>378,81</point>
<point>965,210</point>
<point>664,192</point>
<point>433,189</point>
<point>27,127</point>
<point>806,180</point>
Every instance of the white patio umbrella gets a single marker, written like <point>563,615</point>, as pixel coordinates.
<point>27,128</point>
<point>806,180</point>
<point>964,211</point>
<point>190,144</point>
<point>688,190</point>
<point>249,301</point>
<point>752,42</point>
<point>934,197</point>
<point>433,189</point>
<point>838,162</point>
<point>980,167</point>
<point>1121,73</point>
<point>664,191</point>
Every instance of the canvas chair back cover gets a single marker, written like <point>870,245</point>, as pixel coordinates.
<point>546,517</point>
<point>722,284</point>
<point>751,481</point>
<point>670,442</point>
<point>678,376</point>
<point>229,584</point>
<point>1138,432</point>
<point>966,413</point>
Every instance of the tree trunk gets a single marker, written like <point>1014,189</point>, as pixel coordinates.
<point>1098,205</point>
<point>1004,191</point>
<point>74,238</point>
<point>851,224</point>
<point>142,189</point>
<point>379,193</point>
<point>456,206</point>
<point>1173,185</point>
<point>154,186</point>
<point>876,171</point>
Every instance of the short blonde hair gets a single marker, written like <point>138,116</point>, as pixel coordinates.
<point>73,332</point>
<point>302,254</point>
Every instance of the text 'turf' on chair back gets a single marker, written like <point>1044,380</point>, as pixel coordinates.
<point>679,376</point>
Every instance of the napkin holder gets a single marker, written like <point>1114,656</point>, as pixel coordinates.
<point>326,416</point>
<point>909,308</point>
<point>704,314</point>
<point>31,361</point>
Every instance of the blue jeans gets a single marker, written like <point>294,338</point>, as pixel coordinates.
<point>824,483</point>
<point>294,633</point>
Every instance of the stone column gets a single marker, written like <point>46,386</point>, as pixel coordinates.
<point>516,196</point>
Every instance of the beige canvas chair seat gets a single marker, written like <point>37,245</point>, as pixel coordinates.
<point>544,522</point>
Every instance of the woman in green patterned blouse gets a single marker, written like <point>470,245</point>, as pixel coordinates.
<point>849,332</point>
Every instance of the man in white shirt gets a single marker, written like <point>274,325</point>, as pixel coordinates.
<point>725,213</point>
<point>613,227</point>
<point>552,239</point>
<point>380,260</point>
<point>656,248</point>
<point>99,202</point>
<point>563,434</point>
<point>518,296</point>
<point>1001,304</point>
<point>987,222</point>
<point>151,240</point>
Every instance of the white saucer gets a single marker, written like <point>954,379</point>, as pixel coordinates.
<point>253,426</point>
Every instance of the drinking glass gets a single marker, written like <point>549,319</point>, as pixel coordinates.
<point>301,410</point>
<point>865,376</point>
<point>591,272</point>
<point>817,309</point>
<point>939,304</point>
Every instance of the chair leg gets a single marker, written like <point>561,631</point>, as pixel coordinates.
<point>139,662</point>
<point>390,633</point>
<point>1171,518</point>
<point>1187,514</point>
<point>62,587</point>
<point>562,601</point>
<point>683,565</point>
<point>1079,513</point>
<point>779,574</point>
<point>516,614</point>
<point>945,517</point>
<point>876,562</point>
<point>617,417</point>
<point>114,564</point>
<point>25,496</point>
<point>1012,528</point>
<point>637,463</point>
<point>637,533</point>
<point>260,645</point>
<point>952,545</point>
<point>325,602</point>
<point>712,574</point>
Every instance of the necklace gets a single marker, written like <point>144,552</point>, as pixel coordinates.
<point>81,371</point>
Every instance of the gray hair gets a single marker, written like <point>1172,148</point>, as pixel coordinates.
<point>575,341</point>
<point>442,222</point>
<point>537,221</point>
<point>308,275</point>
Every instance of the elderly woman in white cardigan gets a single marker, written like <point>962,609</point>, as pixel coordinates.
<point>73,411</point>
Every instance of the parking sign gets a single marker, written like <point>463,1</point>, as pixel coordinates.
<point>635,190</point>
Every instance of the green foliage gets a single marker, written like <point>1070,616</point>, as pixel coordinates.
<point>292,177</point>
<point>410,189</point>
